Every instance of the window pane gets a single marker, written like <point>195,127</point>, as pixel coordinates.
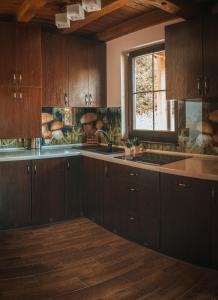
<point>164,118</point>
<point>143,111</point>
<point>159,71</point>
<point>143,81</point>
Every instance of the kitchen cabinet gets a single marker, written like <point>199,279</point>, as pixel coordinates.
<point>55,70</point>
<point>20,80</point>
<point>87,75</point>
<point>186,218</point>
<point>74,71</point>
<point>132,204</point>
<point>93,189</point>
<point>17,115</point>
<point>97,74</point>
<point>73,173</point>
<point>184,67</point>
<point>191,59</point>
<point>15,194</point>
<point>215,225</point>
<point>210,56</point>
<point>48,190</point>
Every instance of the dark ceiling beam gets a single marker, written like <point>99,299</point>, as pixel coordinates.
<point>151,18</point>
<point>91,17</point>
<point>29,9</point>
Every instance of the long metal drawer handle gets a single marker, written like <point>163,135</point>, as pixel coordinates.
<point>183,185</point>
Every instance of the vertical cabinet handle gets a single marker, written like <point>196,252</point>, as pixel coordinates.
<point>15,95</point>
<point>28,169</point>
<point>65,99</point>
<point>68,165</point>
<point>35,170</point>
<point>86,100</point>
<point>20,95</point>
<point>20,78</point>
<point>90,99</point>
<point>14,78</point>
<point>199,85</point>
<point>213,192</point>
<point>106,170</point>
<point>206,85</point>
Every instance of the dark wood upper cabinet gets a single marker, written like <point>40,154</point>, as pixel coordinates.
<point>20,80</point>
<point>191,59</point>
<point>97,74</point>
<point>210,56</point>
<point>28,55</point>
<point>15,193</point>
<point>184,65</point>
<point>48,190</point>
<point>8,53</point>
<point>55,69</point>
<point>186,219</point>
<point>78,72</point>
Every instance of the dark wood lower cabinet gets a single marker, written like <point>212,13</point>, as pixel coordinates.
<point>15,194</point>
<point>48,190</point>
<point>73,173</point>
<point>131,204</point>
<point>215,226</point>
<point>186,218</point>
<point>93,189</point>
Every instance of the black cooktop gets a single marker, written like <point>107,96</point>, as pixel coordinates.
<point>153,158</point>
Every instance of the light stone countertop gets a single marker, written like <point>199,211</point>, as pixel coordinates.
<point>196,166</point>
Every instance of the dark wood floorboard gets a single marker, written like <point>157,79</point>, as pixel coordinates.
<point>81,260</point>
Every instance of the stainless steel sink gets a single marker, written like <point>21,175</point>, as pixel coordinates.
<point>99,149</point>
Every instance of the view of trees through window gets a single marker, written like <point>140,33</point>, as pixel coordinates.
<point>151,110</point>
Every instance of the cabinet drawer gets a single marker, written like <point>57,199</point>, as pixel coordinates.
<point>133,176</point>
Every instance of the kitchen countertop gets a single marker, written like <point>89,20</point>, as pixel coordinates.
<point>197,166</point>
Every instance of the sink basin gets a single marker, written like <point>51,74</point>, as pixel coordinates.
<point>99,149</point>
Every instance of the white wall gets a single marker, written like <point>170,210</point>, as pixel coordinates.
<point>116,47</point>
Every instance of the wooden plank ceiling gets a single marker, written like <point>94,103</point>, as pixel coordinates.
<point>117,17</point>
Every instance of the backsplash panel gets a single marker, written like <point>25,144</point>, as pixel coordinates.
<point>74,125</point>
<point>198,127</point>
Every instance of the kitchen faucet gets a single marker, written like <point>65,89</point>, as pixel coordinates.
<point>106,137</point>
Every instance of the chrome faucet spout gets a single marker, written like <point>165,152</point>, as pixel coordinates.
<point>105,135</point>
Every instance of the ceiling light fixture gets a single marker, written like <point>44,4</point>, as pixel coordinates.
<point>75,12</point>
<point>62,21</point>
<point>91,5</point>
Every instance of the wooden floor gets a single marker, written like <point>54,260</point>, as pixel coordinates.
<point>81,260</point>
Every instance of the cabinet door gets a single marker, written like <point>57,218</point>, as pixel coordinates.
<point>15,193</point>
<point>28,109</point>
<point>115,200</point>
<point>78,72</point>
<point>210,56</point>
<point>19,107</point>
<point>28,55</point>
<point>186,219</point>
<point>97,74</point>
<point>55,69</point>
<point>48,190</point>
<point>215,226</point>
<point>144,210</point>
<point>72,187</point>
<point>184,59</point>
<point>93,180</point>
<point>8,50</point>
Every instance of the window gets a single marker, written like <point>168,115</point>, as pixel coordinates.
<point>151,116</point>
